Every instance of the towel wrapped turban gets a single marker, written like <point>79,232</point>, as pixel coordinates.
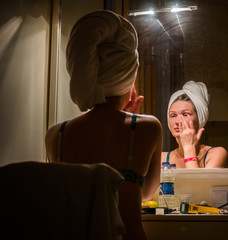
<point>197,92</point>
<point>102,58</point>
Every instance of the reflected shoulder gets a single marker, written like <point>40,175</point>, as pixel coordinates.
<point>219,157</point>
<point>219,150</point>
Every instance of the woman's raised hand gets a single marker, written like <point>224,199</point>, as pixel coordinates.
<point>135,102</point>
<point>189,136</point>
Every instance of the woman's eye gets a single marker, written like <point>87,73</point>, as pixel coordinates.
<point>185,114</point>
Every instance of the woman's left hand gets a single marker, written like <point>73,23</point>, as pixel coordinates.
<point>189,138</point>
<point>135,102</point>
<point>188,135</point>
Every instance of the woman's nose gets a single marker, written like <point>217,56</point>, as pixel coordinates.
<point>177,120</point>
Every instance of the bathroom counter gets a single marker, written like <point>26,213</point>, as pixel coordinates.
<point>185,226</point>
<point>185,217</point>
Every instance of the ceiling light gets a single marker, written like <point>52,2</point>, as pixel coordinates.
<point>159,10</point>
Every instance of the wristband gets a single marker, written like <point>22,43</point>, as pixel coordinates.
<point>190,159</point>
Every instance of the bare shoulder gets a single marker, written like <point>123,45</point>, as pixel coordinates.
<point>53,131</point>
<point>219,150</point>
<point>150,125</point>
<point>149,121</point>
<point>218,157</point>
<point>51,141</point>
<point>149,118</point>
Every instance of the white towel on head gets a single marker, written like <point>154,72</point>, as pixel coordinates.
<point>197,92</point>
<point>102,58</point>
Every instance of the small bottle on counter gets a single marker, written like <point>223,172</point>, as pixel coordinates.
<point>166,189</point>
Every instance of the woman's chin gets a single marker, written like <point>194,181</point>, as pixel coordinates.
<point>176,134</point>
<point>177,137</point>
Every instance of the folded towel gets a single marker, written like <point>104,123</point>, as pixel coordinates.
<point>102,58</point>
<point>197,92</point>
<point>59,201</point>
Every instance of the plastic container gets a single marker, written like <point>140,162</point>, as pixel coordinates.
<point>184,198</point>
<point>166,190</point>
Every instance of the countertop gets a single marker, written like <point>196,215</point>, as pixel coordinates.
<point>186,217</point>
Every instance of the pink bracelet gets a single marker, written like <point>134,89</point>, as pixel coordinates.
<point>190,159</point>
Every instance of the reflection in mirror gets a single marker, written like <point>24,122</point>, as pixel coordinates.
<point>177,47</point>
<point>187,116</point>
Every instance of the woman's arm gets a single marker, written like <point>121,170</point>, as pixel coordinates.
<point>189,138</point>
<point>51,143</point>
<point>152,178</point>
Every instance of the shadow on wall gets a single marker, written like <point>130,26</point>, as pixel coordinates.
<point>21,8</point>
<point>24,48</point>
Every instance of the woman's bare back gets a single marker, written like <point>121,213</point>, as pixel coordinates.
<point>104,136</point>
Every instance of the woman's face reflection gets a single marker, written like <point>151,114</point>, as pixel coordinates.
<point>178,109</point>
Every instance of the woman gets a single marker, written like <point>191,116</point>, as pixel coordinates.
<point>102,61</point>
<point>187,115</point>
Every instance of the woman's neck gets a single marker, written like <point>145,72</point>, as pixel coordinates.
<point>114,103</point>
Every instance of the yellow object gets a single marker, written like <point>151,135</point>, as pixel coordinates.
<point>185,207</point>
<point>151,204</point>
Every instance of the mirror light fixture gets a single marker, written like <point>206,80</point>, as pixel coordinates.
<point>174,9</point>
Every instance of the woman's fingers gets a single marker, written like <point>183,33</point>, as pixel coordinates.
<point>199,133</point>
<point>138,104</point>
<point>133,94</point>
<point>191,125</point>
<point>183,124</point>
<point>135,103</point>
<point>187,123</point>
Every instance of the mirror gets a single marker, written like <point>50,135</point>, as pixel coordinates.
<point>177,47</point>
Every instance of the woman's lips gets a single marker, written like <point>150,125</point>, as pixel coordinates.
<point>176,129</point>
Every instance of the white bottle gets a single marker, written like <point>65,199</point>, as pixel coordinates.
<point>166,189</point>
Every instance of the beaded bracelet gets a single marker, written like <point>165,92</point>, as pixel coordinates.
<point>190,159</point>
